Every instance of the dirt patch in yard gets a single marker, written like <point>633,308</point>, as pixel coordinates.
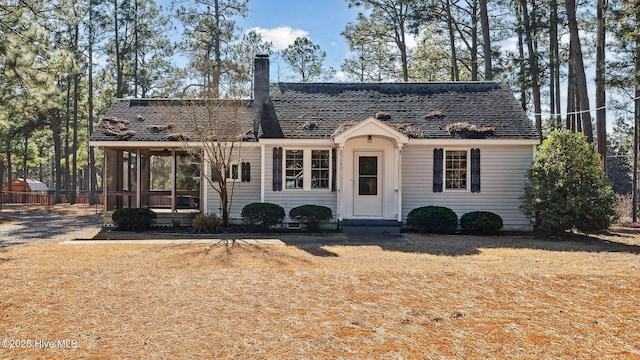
<point>442,296</point>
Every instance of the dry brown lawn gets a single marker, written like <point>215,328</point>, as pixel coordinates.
<point>449,297</point>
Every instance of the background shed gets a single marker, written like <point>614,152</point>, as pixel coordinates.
<point>31,185</point>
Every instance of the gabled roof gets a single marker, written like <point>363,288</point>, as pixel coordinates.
<point>323,110</point>
<point>174,120</point>
<point>317,110</point>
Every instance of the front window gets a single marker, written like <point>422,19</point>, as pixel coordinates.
<point>232,172</point>
<point>320,169</point>
<point>294,165</point>
<point>456,170</point>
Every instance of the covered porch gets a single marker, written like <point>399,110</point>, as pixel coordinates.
<point>164,179</point>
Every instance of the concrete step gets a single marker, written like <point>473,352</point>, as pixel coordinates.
<point>370,222</point>
<point>355,226</point>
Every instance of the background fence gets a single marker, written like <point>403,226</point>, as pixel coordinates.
<point>46,197</point>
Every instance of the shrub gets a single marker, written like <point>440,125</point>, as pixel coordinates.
<point>263,214</point>
<point>566,188</point>
<point>433,219</point>
<point>136,219</point>
<point>481,222</point>
<point>311,215</point>
<point>206,223</point>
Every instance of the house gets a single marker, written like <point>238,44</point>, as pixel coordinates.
<point>365,150</point>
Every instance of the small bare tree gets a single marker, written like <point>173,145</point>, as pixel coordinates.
<point>217,129</point>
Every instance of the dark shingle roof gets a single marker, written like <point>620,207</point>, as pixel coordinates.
<point>317,110</point>
<point>329,105</point>
<point>173,120</point>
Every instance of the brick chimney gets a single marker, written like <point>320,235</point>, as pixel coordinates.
<point>267,119</point>
<point>261,80</point>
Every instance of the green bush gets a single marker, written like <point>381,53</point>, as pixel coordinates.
<point>311,215</point>
<point>263,214</point>
<point>481,222</point>
<point>206,223</point>
<point>433,219</point>
<point>566,188</point>
<point>136,219</point>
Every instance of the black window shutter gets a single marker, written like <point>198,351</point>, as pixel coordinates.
<point>277,169</point>
<point>475,170</point>
<point>333,170</point>
<point>246,172</point>
<point>437,169</point>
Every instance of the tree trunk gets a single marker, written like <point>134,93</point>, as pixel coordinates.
<point>25,169</point>
<point>523,69</point>
<point>76,83</point>
<point>57,151</point>
<point>135,48</point>
<point>92,160</point>
<point>119,75</point>
<point>486,40</point>
<point>1,177</point>
<point>217,54</point>
<point>636,128</point>
<point>553,64</point>
<point>581,79</point>
<point>455,73</point>
<point>533,65</point>
<point>9,170</point>
<point>601,113</point>
<point>571,108</point>
<point>67,150</point>
<point>474,41</point>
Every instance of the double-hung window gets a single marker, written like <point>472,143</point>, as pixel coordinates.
<point>307,169</point>
<point>294,169</point>
<point>456,170</point>
<point>319,169</point>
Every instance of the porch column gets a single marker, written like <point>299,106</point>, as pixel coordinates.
<point>138,182</point>
<point>399,180</point>
<point>262,171</point>
<point>173,180</point>
<point>105,176</point>
<point>205,171</point>
<point>339,170</point>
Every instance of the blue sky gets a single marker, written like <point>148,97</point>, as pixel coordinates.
<point>322,21</point>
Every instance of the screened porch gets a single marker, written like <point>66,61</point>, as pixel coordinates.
<point>166,180</point>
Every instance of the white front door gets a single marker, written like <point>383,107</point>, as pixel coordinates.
<point>368,185</point>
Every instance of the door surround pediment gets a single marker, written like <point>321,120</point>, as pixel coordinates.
<point>371,127</point>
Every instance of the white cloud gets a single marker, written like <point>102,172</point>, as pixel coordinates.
<point>281,36</point>
<point>340,75</point>
<point>411,40</point>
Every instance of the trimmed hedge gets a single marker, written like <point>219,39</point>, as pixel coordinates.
<point>264,215</point>
<point>136,219</point>
<point>433,219</point>
<point>481,222</point>
<point>311,215</point>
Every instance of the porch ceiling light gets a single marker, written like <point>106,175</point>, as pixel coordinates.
<point>369,139</point>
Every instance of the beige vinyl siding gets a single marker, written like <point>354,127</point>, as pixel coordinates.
<point>290,198</point>
<point>502,177</point>
<point>243,192</point>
